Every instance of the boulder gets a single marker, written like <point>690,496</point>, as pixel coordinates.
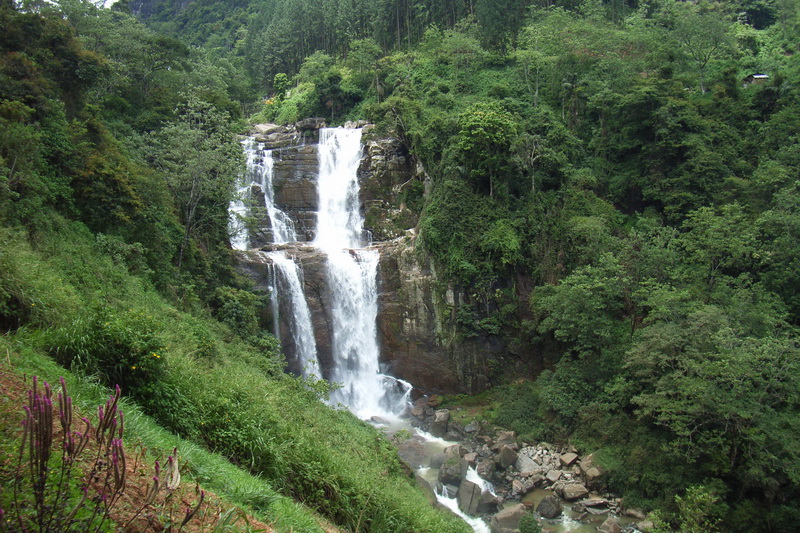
<point>412,452</point>
<point>486,468</point>
<point>506,438</point>
<point>266,129</point>
<point>549,507</point>
<point>553,476</point>
<point>506,457</point>
<point>568,458</point>
<point>468,497</point>
<point>456,450</point>
<point>526,466</point>
<point>441,418</point>
<point>574,491</point>
<point>591,473</point>
<point>638,514</point>
<point>488,503</point>
<point>472,427</point>
<point>453,470</point>
<point>471,458</point>
<point>508,518</point>
<point>437,460</point>
<point>645,526</point>
<point>611,525</point>
<point>314,123</point>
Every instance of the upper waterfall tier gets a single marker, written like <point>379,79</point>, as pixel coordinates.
<point>339,220</point>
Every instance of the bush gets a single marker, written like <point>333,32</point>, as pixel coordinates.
<point>121,347</point>
<point>529,524</point>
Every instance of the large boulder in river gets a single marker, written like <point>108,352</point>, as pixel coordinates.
<point>469,497</point>
<point>440,421</point>
<point>549,507</point>
<point>488,503</point>
<point>508,519</point>
<point>486,468</point>
<point>453,470</point>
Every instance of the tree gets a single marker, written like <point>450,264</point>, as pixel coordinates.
<point>200,160</point>
<point>704,36</point>
<point>484,142</point>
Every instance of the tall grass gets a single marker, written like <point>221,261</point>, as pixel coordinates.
<point>210,386</point>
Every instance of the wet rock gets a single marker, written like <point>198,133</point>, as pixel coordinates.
<point>506,457</point>
<point>441,418</point>
<point>412,452</point>
<point>468,497</point>
<point>426,488</point>
<point>453,470</point>
<point>611,525</point>
<point>437,460</point>
<point>507,519</point>
<point>549,507</point>
<point>488,503</point>
<point>486,468</point>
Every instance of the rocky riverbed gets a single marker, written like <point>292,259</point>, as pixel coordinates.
<point>564,488</point>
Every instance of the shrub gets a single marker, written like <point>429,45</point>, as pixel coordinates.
<point>120,346</point>
<point>529,524</point>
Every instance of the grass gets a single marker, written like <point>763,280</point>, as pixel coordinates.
<point>278,450</point>
<point>212,471</point>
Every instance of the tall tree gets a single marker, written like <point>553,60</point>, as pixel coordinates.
<point>200,160</point>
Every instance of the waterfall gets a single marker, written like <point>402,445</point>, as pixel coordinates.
<point>288,286</point>
<point>352,277</point>
<point>260,166</point>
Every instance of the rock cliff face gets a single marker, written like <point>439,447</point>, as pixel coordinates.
<point>416,314</point>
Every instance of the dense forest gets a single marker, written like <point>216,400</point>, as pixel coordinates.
<point>615,184</point>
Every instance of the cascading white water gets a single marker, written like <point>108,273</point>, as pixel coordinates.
<point>260,166</point>
<point>352,278</point>
<point>288,285</point>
